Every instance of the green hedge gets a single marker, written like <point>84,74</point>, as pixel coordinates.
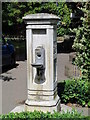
<point>75,91</point>
<point>39,115</point>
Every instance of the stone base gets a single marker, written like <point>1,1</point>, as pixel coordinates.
<point>44,106</point>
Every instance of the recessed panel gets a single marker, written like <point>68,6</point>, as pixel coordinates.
<point>39,31</point>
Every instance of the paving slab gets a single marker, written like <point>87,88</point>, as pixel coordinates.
<point>62,60</point>
<point>14,84</point>
<point>64,108</point>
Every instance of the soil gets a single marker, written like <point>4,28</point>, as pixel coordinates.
<point>76,105</point>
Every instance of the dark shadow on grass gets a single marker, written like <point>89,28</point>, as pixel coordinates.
<point>65,46</point>
<point>21,57</point>
<point>20,47</point>
<point>60,88</point>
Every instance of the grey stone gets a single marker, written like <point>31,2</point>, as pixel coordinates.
<point>42,68</point>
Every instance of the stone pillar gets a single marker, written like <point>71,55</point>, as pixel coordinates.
<point>41,62</point>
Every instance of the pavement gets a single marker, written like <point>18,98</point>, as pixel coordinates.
<point>64,108</point>
<point>13,85</point>
<point>62,60</point>
<point>13,82</point>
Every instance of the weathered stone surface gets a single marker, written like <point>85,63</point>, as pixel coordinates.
<point>42,90</point>
<point>40,16</point>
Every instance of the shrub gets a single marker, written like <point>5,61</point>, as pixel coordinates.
<point>62,31</point>
<point>13,12</point>
<point>82,44</point>
<point>89,104</point>
<point>39,115</point>
<point>75,91</point>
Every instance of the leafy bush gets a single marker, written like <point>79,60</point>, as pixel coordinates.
<point>13,12</point>
<point>39,115</point>
<point>89,104</point>
<point>62,31</point>
<point>75,91</point>
<point>82,44</point>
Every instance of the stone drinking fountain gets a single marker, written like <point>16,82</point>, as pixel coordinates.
<point>41,62</point>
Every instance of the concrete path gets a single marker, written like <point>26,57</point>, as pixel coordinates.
<point>64,108</point>
<point>14,83</point>
<point>14,87</point>
<point>62,60</point>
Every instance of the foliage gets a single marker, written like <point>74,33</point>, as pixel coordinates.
<point>89,103</point>
<point>39,115</point>
<point>75,91</point>
<point>82,44</point>
<point>63,31</point>
<point>12,13</point>
<point>64,14</point>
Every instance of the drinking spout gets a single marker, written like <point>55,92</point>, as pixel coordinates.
<point>37,65</point>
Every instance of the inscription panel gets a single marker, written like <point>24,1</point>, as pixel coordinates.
<point>39,31</point>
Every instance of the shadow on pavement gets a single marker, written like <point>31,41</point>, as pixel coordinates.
<point>6,78</point>
<point>6,68</point>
